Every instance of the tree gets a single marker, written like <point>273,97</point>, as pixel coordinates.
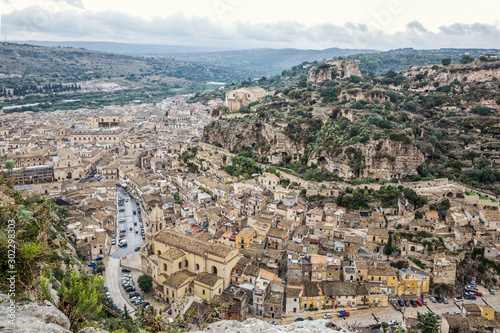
<point>446,61</point>
<point>427,322</point>
<point>79,298</point>
<point>9,165</point>
<point>388,247</point>
<point>466,59</point>
<point>145,282</point>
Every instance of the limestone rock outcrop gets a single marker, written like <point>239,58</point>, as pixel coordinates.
<point>33,317</point>
<point>332,69</point>
<point>255,325</point>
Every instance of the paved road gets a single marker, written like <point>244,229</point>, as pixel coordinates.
<point>113,270</point>
<point>133,239</point>
<point>365,317</point>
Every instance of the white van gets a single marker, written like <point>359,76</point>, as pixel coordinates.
<point>122,243</point>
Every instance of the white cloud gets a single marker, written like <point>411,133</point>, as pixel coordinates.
<point>42,24</point>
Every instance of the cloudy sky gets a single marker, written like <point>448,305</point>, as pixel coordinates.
<point>319,24</point>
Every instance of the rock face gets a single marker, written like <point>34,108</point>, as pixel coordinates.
<point>383,159</point>
<point>255,325</point>
<point>33,317</point>
<point>341,69</point>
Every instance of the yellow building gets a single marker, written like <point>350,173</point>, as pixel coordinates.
<point>379,236</point>
<point>312,296</point>
<point>383,273</point>
<point>207,285</point>
<point>412,282</point>
<point>245,237</point>
<point>172,252</point>
<point>177,285</point>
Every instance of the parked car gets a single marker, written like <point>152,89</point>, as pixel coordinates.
<point>439,299</point>
<point>327,316</point>
<point>445,300</point>
<point>424,302</point>
<point>492,291</point>
<point>401,303</point>
<point>110,300</point>
<point>419,303</point>
<point>413,303</point>
<point>437,316</point>
<point>343,313</point>
<point>113,241</point>
<point>133,295</point>
<point>309,318</point>
<point>433,300</point>
<point>137,248</point>
<point>106,289</point>
<point>272,322</point>
<point>92,264</point>
<point>98,258</point>
<point>477,293</point>
<point>458,299</point>
<point>120,311</point>
<point>393,322</point>
<point>407,303</point>
<point>471,297</point>
<point>126,270</point>
<point>299,319</point>
<point>129,289</point>
<point>456,312</point>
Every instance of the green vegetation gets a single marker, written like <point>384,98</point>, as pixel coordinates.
<point>145,282</point>
<point>242,166</point>
<point>427,323</point>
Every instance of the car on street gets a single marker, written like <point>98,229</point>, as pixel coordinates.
<point>413,303</point>
<point>126,270</point>
<point>133,295</point>
<point>424,302</point>
<point>458,299</point>
<point>120,311</point>
<point>113,241</point>
<point>439,299</point>
<point>456,312</point>
<point>98,258</point>
<point>437,316</point>
<point>477,293</point>
<point>471,297</point>
<point>272,322</point>
<point>110,300</point>
<point>137,248</point>
<point>445,300</point>
<point>433,300</point>
<point>407,303</point>
<point>492,291</point>
<point>129,289</point>
<point>419,303</point>
<point>299,319</point>
<point>309,318</point>
<point>401,303</point>
<point>327,316</point>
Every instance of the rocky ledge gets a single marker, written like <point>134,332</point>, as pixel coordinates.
<point>256,325</point>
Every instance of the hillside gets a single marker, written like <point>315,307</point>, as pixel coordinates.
<point>80,64</point>
<point>427,122</point>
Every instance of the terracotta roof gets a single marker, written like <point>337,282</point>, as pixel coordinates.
<point>192,245</point>
<point>277,233</point>
<point>208,279</point>
<point>172,254</point>
<point>179,278</point>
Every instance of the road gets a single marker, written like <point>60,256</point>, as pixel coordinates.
<point>365,317</point>
<point>113,269</point>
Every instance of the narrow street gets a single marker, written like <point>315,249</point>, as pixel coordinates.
<point>365,317</point>
<point>134,239</point>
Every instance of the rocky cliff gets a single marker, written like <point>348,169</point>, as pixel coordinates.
<point>383,159</point>
<point>255,325</point>
<point>333,69</point>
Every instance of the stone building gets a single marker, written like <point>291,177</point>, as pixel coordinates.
<point>235,99</point>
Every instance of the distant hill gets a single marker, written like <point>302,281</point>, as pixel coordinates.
<point>125,48</point>
<point>266,61</point>
<point>74,64</point>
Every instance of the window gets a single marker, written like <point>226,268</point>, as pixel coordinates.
<point>186,263</point>
<point>203,291</point>
<point>197,267</point>
<point>214,270</point>
<point>165,267</point>
<point>180,265</point>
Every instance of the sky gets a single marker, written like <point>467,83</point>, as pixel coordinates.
<point>242,24</point>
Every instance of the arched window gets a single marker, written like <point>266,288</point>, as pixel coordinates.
<point>180,264</point>
<point>214,270</point>
<point>197,267</point>
<point>165,267</point>
<point>159,253</point>
<point>186,263</point>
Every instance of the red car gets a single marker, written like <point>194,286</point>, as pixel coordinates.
<point>477,293</point>
<point>419,302</point>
